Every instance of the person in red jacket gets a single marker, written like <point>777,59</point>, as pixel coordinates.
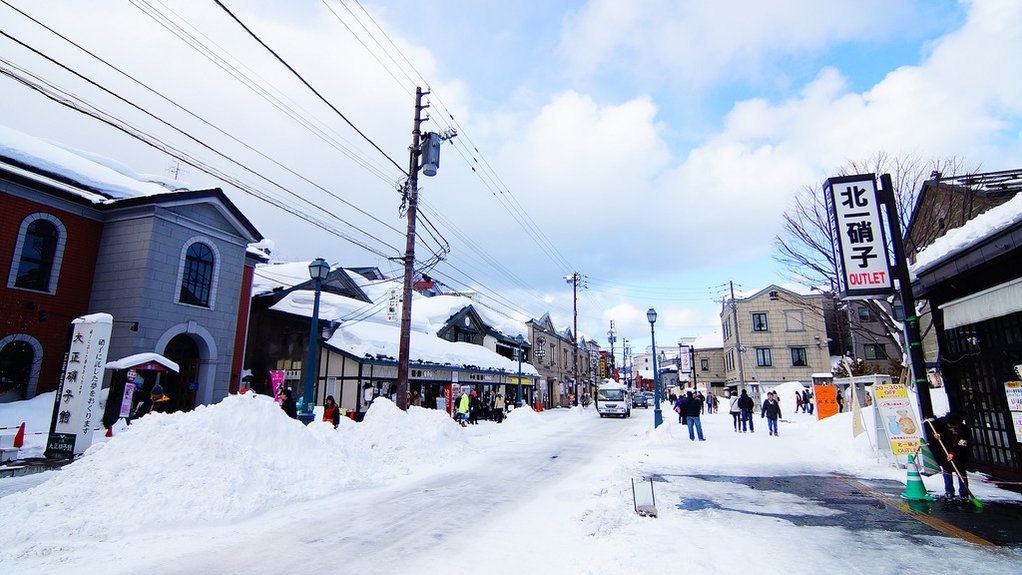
<point>331,412</point>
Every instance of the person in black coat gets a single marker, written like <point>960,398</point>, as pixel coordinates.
<point>771,411</point>
<point>952,432</point>
<point>157,403</point>
<point>746,404</point>
<point>287,403</point>
<point>691,408</point>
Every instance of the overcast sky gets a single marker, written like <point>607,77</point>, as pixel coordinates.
<point>654,143</point>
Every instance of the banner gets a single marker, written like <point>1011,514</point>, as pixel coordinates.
<point>895,414</point>
<point>77,397</point>
<point>277,384</point>
<point>1013,391</point>
<point>129,393</point>
<point>826,400</point>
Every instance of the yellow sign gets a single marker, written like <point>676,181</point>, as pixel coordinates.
<point>896,418</point>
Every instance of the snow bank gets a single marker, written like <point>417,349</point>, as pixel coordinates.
<point>236,458</point>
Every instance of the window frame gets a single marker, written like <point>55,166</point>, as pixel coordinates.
<point>867,347</point>
<point>765,325</point>
<point>764,358</point>
<point>214,275</point>
<point>56,260</point>
<point>804,356</point>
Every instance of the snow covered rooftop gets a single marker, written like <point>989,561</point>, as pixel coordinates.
<point>975,230</point>
<point>97,179</point>
<point>708,341</point>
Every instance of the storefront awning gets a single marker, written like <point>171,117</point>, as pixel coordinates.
<point>990,303</point>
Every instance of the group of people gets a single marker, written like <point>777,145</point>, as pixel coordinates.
<point>741,408</point>
<point>331,411</point>
<point>470,407</point>
<point>804,401</point>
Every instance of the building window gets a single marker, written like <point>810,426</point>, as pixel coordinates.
<point>865,315</point>
<point>38,254</point>
<point>759,321</point>
<point>875,351</point>
<point>197,280</point>
<point>763,357</point>
<point>799,357</point>
<point>794,320</point>
<point>704,364</point>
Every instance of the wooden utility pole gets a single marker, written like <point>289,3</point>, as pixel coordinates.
<point>411,193</point>
<point>738,341</point>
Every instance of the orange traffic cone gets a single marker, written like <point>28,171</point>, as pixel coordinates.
<point>110,432</point>
<point>19,439</point>
<point>351,414</point>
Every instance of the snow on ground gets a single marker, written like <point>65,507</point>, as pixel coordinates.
<point>242,461</point>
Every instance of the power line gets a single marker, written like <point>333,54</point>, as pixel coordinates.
<point>307,85</point>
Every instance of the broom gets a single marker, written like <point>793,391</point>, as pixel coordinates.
<point>947,454</point>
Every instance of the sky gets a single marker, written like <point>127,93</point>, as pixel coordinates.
<point>413,492</point>
<point>650,146</point>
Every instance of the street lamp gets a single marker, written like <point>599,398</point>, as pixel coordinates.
<point>318,270</point>
<point>518,352</point>
<point>658,417</point>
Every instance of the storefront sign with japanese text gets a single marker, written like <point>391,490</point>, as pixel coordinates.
<point>859,236</point>
<point>895,414</point>
<point>826,400</point>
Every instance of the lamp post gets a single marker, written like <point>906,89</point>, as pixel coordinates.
<point>318,270</point>
<point>658,417</point>
<point>518,353</point>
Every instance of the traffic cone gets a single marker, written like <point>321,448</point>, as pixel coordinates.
<point>19,439</point>
<point>110,432</point>
<point>351,414</point>
<point>914,488</point>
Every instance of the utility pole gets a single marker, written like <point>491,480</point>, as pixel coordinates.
<point>913,339</point>
<point>611,339</point>
<point>411,198</point>
<point>573,280</point>
<point>738,341</point>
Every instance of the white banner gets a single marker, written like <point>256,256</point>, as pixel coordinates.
<point>78,409</point>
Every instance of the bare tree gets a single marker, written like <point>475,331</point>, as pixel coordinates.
<point>805,248</point>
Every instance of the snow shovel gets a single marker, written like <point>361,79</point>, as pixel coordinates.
<point>972,498</point>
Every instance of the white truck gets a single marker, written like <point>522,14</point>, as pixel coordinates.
<point>613,399</point>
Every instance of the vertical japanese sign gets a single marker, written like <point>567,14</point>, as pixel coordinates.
<point>129,393</point>
<point>394,304</point>
<point>896,419</point>
<point>78,395</point>
<point>859,236</point>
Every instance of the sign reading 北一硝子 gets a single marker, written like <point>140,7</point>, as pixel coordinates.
<point>896,420</point>
<point>77,401</point>
<point>859,236</point>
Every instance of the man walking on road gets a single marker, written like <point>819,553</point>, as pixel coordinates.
<point>690,409</point>
<point>772,412</point>
<point>746,406</point>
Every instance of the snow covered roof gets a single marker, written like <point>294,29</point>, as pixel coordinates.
<point>96,179</point>
<point>142,358</point>
<point>974,231</point>
<point>378,340</point>
<point>708,341</point>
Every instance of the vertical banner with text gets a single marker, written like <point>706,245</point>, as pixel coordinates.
<point>859,236</point>
<point>78,395</point>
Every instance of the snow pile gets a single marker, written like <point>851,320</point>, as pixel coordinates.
<point>236,458</point>
<point>959,239</point>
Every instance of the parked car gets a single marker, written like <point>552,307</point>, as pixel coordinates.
<point>639,399</point>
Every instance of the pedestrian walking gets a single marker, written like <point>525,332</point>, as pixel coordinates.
<point>772,412</point>
<point>702,401</point>
<point>691,408</point>
<point>807,401</point>
<point>736,412</point>
<point>746,405</point>
<point>331,412</point>
<point>798,401</point>
<point>679,408</point>
<point>840,402</point>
